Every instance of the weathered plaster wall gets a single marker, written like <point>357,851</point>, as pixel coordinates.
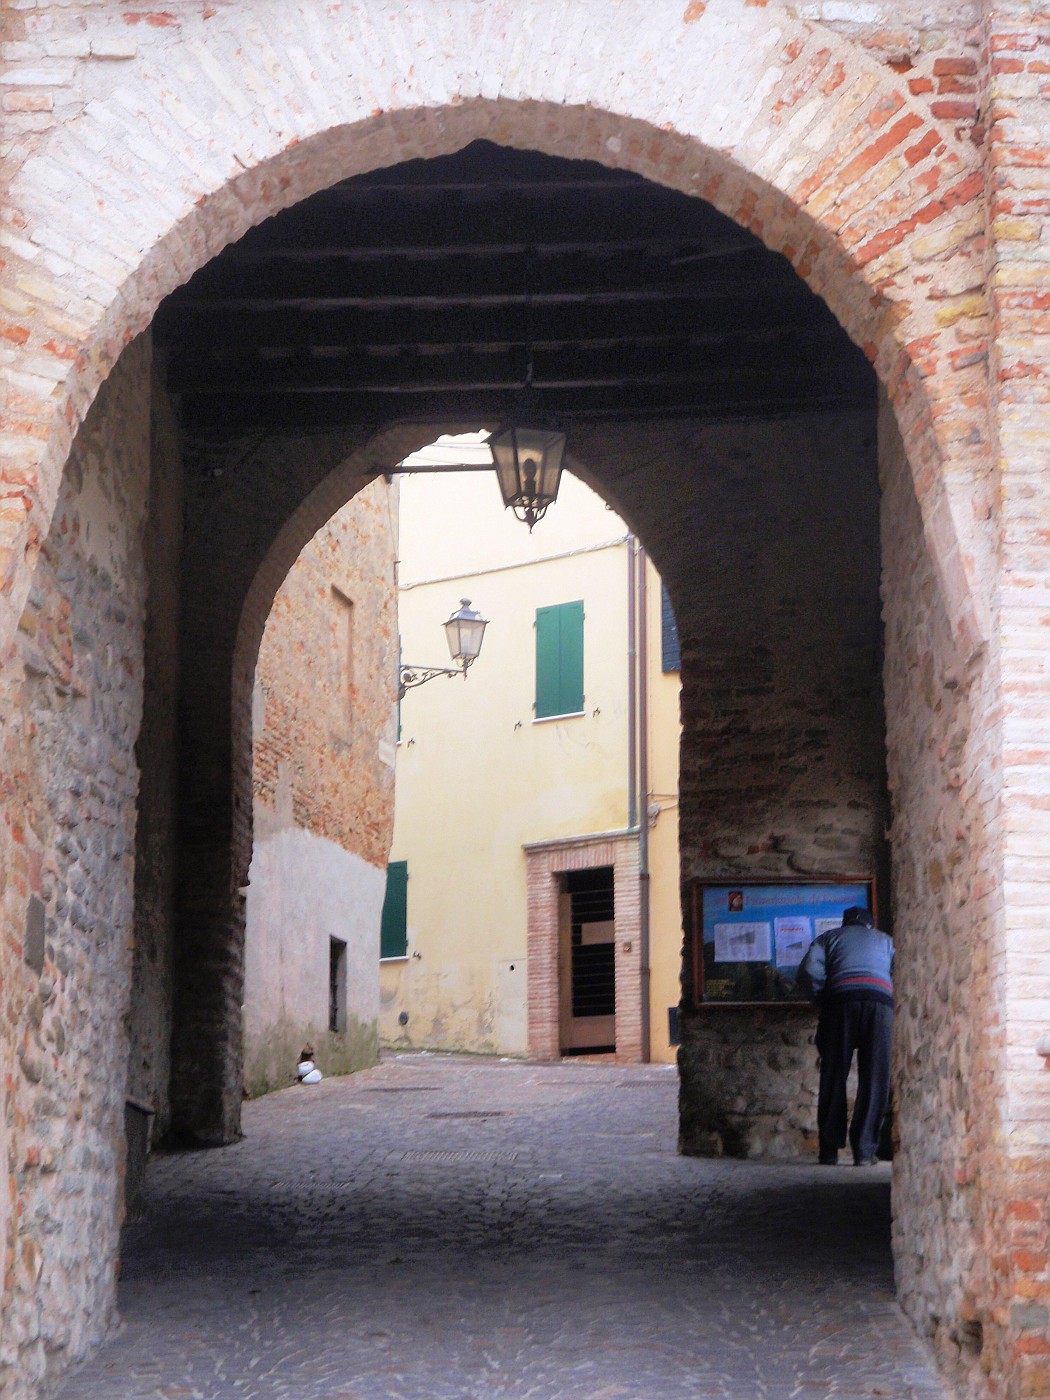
<point>478,774</point>
<point>72,703</point>
<point>304,891</point>
<point>324,732</point>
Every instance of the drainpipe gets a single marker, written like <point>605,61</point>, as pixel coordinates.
<point>643,796</point>
<point>632,689</point>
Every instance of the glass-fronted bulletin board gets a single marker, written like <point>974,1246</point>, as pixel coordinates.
<point>747,940</point>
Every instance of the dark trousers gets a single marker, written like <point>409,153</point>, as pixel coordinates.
<point>866,1027</point>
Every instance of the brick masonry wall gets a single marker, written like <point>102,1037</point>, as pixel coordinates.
<point>820,127</point>
<point>325,713</point>
<point>72,696</point>
<point>324,735</point>
<point>249,512</point>
<point>840,163</point>
<point>1016,92</point>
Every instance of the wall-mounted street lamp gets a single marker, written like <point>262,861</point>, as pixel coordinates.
<point>464,632</point>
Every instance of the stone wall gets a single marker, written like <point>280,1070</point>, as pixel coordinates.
<point>149,1028</point>
<point>948,1084</point>
<point>324,735</point>
<point>72,697</point>
<point>771,556</point>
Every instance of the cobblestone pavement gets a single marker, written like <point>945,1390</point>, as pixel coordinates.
<point>449,1227</point>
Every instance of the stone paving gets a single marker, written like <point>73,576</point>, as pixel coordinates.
<point>441,1228</point>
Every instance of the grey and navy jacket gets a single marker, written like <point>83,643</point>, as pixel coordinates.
<point>852,961</point>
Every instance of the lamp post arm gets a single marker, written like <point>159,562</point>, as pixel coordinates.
<point>409,676</point>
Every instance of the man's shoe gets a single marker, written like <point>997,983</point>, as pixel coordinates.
<point>828,1159</point>
<point>865,1161</point>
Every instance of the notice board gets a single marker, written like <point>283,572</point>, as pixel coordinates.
<point>748,939</point>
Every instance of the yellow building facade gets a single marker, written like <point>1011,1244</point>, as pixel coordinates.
<point>535,851</point>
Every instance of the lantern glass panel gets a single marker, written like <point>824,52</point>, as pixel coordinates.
<point>528,464</point>
<point>465,631</point>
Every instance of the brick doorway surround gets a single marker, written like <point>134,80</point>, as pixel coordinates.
<point>546,863</point>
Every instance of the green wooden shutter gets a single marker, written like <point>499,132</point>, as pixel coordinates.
<point>559,659</point>
<point>547,630</point>
<point>571,640</point>
<point>393,936</point>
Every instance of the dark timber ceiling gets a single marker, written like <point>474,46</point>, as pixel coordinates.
<point>415,293</point>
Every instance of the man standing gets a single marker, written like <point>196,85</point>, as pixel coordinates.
<point>848,972</point>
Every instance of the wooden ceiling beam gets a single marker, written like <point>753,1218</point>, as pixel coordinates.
<point>317,279</point>
<point>655,299</point>
<point>413,292</point>
<point>470,373</point>
<point>201,327</point>
<point>458,367</point>
<point>222,418</point>
<point>238,349</point>
<point>495,247</point>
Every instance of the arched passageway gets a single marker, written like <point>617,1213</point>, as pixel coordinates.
<point>745,458</point>
<point>880,191</point>
<point>711,397</point>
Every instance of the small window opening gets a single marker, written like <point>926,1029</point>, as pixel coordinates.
<point>336,985</point>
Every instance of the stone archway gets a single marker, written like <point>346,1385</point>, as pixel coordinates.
<point>798,134</point>
<point>824,153</point>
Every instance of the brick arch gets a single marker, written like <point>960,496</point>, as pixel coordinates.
<point>216,120</point>
<point>284,490</point>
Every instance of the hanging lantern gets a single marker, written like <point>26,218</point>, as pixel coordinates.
<point>528,465</point>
